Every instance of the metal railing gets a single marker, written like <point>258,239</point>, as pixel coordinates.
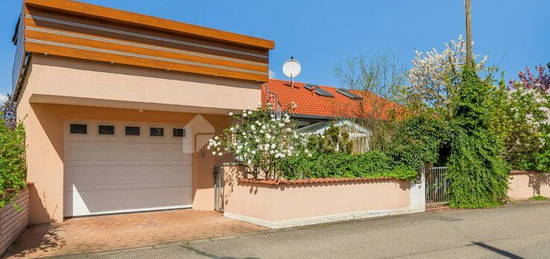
<point>437,185</point>
<point>18,60</point>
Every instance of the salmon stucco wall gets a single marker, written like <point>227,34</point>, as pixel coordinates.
<point>44,155</point>
<point>285,205</point>
<point>60,89</point>
<point>524,185</point>
<point>44,125</point>
<point>79,82</point>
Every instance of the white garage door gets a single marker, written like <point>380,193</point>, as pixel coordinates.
<point>113,167</point>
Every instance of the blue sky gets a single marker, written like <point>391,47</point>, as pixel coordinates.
<point>319,33</point>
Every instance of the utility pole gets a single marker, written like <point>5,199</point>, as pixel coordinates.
<point>469,57</point>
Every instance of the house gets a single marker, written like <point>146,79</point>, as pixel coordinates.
<point>118,106</point>
<point>317,107</point>
<point>318,103</point>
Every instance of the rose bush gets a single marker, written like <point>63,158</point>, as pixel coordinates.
<point>260,139</point>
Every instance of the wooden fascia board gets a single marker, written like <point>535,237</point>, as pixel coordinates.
<point>120,16</point>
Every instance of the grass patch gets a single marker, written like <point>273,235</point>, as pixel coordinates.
<point>538,198</point>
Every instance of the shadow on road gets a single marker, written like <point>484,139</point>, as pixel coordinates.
<point>497,250</point>
<point>205,254</point>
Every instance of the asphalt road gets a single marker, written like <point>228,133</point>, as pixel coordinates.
<point>514,231</point>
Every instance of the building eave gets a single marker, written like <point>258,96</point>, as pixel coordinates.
<point>316,117</point>
<point>105,13</point>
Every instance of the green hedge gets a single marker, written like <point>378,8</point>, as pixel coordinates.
<point>543,160</point>
<point>12,162</point>
<point>341,165</point>
<point>421,139</point>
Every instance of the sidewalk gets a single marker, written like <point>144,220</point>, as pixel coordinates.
<point>124,231</point>
<point>513,231</point>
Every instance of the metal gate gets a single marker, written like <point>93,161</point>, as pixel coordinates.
<point>218,189</point>
<point>437,185</point>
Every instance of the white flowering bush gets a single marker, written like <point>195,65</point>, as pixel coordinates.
<point>522,118</point>
<point>434,75</point>
<point>260,140</point>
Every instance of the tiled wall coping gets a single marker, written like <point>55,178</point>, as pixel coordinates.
<point>519,172</point>
<point>315,180</point>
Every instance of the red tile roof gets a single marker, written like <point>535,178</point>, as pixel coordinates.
<point>309,103</point>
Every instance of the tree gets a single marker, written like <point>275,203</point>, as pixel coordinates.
<point>523,120</point>
<point>435,76</point>
<point>539,81</point>
<point>8,111</point>
<point>378,81</point>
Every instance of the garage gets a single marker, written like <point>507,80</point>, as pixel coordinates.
<point>115,167</point>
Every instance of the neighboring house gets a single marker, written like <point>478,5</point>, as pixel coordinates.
<point>316,107</point>
<point>318,103</point>
<point>118,106</point>
<point>357,134</point>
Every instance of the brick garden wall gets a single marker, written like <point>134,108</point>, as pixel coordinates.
<point>13,221</point>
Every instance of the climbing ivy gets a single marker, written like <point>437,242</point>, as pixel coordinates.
<point>477,172</point>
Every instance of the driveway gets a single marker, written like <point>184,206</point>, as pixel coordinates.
<point>124,231</point>
<point>513,231</point>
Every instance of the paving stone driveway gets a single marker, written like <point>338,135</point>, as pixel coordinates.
<point>115,232</point>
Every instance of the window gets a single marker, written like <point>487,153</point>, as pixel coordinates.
<point>132,131</point>
<point>106,130</point>
<point>178,133</point>
<point>78,129</point>
<point>156,132</point>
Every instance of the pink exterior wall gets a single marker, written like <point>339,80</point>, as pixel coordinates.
<point>78,82</point>
<point>524,185</point>
<point>60,89</point>
<point>277,203</point>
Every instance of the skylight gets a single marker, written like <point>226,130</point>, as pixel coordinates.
<point>318,90</point>
<point>310,86</point>
<point>322,92</point>
<point>348,94</point>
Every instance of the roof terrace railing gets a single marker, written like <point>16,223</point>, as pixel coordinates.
<point>18,60</point>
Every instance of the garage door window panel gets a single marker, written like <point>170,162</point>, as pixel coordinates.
<point>156,132</point>
<point>106,130</point>
<point>132,131</point>
<point>78,128</point>
<point>178,132</point>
